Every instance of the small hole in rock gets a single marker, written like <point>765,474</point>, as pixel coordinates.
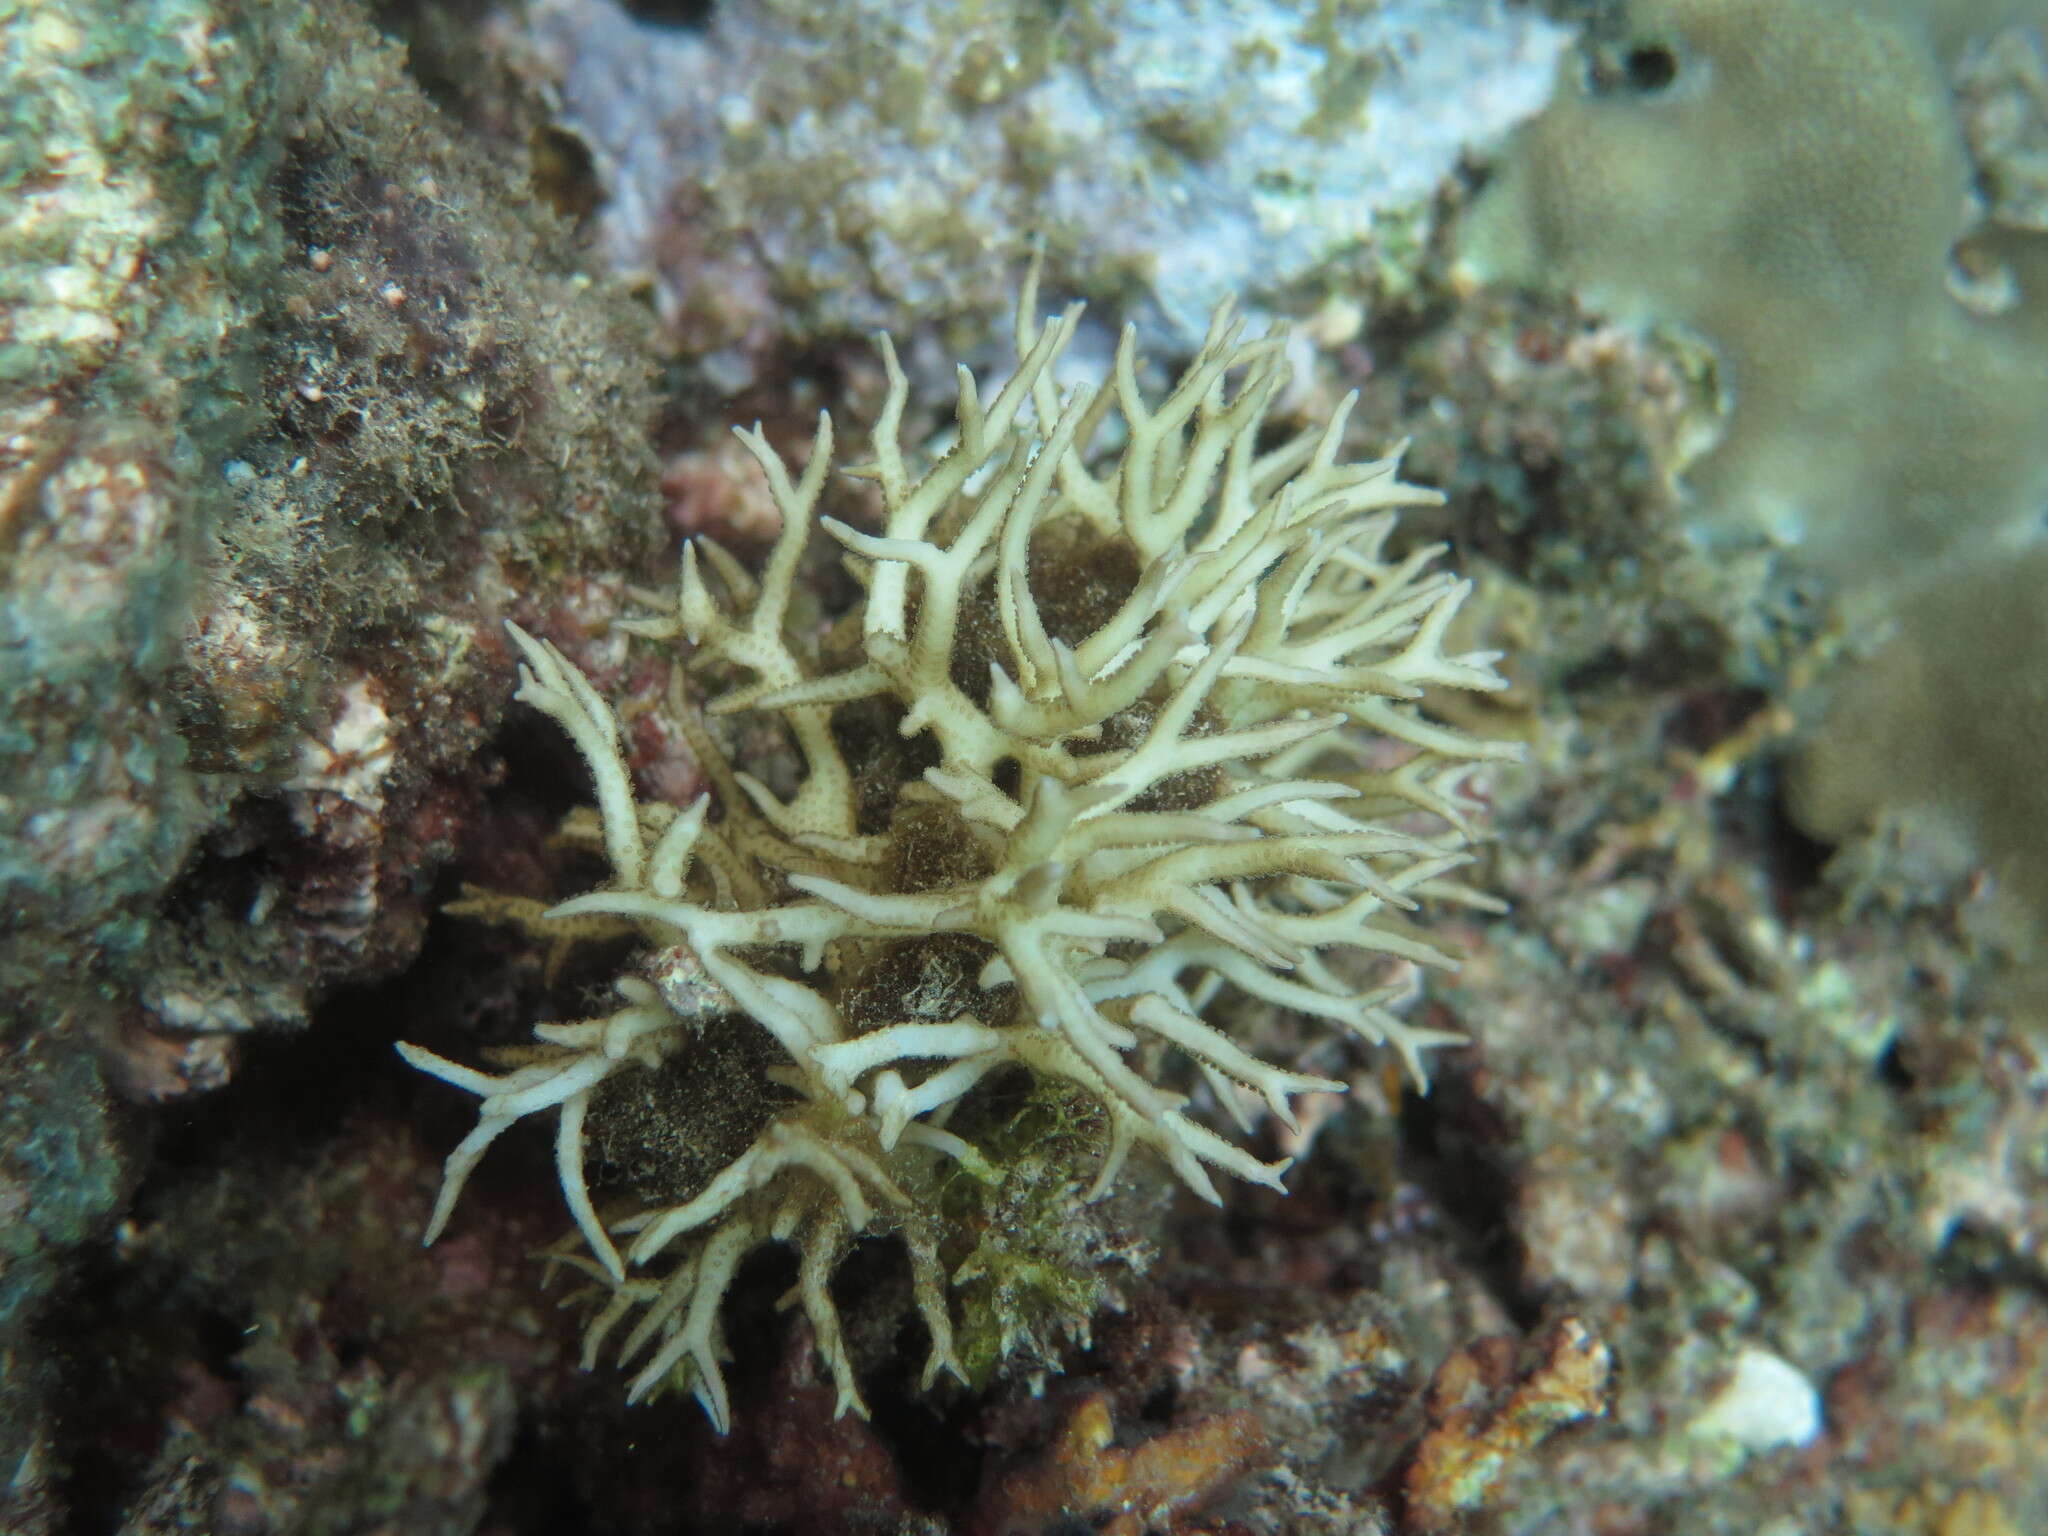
<point>686,15</point>
<point>1650,68</point>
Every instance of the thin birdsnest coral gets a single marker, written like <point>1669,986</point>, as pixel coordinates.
<point>1140,692</point>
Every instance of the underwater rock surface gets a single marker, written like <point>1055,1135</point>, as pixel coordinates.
<point>1728,1218</point>
<point>868,165</point>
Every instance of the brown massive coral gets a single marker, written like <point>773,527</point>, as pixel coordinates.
<point>1795,184</point>
<point>1096,749</point>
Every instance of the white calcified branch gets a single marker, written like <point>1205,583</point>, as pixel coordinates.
<point>552,685</point>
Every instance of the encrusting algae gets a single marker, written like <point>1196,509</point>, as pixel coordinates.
<point>1096,749</point>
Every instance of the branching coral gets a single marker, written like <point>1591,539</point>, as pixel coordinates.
<point>1086,756</point>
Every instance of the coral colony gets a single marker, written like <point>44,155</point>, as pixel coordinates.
<point>1110,750</point>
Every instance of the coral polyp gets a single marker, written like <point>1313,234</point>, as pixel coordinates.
<point>1104,742</point>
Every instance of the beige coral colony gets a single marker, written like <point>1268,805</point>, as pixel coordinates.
<point>1153,735</point>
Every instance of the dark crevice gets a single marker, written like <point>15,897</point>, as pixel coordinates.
<point>1473,1191</point>
<point>533,1491</point>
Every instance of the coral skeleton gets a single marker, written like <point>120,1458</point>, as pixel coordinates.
<point>1104,741</point>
